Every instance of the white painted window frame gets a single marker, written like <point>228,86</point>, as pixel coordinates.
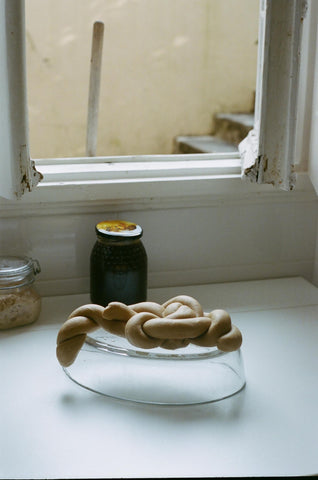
<point>131,179</point>
<point>17,171</point>
<point>269,151</point>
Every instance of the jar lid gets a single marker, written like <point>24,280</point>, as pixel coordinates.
<point>22,266</point>
<point>118,228</point>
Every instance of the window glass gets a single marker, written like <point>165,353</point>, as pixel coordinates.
<point>168,67</point>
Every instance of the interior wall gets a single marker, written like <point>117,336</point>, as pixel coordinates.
<point>168,66</point>
<point>315,272</point>
<point>220,243</point>
<point>311,127</point>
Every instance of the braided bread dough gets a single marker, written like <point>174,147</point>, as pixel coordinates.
<point>172,325</point>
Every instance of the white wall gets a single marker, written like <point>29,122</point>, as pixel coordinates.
<point>315,272</point>
<point>311,121</point>
<point>227,240</point>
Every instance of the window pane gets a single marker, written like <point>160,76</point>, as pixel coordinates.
<point>168,67</point>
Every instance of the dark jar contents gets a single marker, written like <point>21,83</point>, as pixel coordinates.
<point>118,264</point>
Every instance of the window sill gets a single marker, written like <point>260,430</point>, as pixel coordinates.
<point>90,185</point>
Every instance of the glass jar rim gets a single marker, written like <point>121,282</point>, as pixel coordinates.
<point>11,266</point>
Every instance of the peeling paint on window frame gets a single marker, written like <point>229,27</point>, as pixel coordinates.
<point>268,152</point>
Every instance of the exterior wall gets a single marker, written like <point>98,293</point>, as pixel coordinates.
<point>222,242</point>
<point>168,66</point>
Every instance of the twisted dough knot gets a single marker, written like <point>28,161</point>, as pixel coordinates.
<point>175,324</point>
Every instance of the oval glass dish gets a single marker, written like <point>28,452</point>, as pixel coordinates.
<point>110,365</point>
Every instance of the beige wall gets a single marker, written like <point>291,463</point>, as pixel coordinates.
<point>168,66</point>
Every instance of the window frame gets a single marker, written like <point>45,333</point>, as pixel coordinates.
<point>269,152</point>
<point>17,171</point>
<point>117,180</point>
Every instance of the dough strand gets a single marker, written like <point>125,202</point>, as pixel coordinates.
<point>173,325</point>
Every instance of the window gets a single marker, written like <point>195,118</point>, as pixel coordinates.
<point>142,178</point>
<point>167,66</point>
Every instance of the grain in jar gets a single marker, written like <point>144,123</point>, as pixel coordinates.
<point>20,303</point>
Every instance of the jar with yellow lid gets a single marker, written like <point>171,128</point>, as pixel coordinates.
<point>20,303</point>
<point>118,264</point>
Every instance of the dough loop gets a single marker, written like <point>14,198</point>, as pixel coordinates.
<point>172,325</point>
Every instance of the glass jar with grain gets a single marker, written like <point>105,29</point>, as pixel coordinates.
<point>20,303</point>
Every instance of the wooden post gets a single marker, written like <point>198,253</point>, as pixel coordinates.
<point>94,88</point>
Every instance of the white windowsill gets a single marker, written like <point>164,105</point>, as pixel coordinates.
<point>169,181</point>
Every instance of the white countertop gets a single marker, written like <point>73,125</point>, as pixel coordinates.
<point>52,428</point>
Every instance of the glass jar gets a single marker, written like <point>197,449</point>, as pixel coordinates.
<point>20,304</point>
<point>118,264</point>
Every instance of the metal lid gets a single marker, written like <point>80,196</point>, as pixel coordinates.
<point>22,266</point>
<point>118,229</point>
